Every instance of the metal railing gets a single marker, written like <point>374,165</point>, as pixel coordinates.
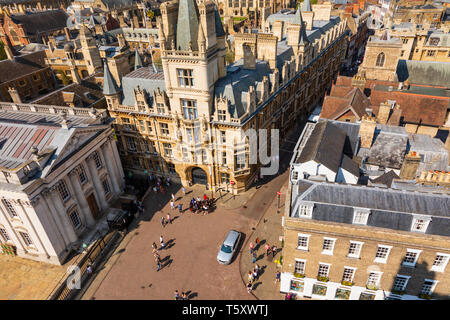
<point>63,291</point>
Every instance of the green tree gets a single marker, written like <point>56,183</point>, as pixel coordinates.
<point>65,80</point>
<point>229,56</point>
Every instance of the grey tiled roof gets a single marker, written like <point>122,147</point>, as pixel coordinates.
<point>424,72</point>
<point>325,146</point>
<point>146,79</point>
<point>235,85</point>
<point>392,209</point>
<point>388,150</point>
<point>109,85</point>
<point>187,25</point>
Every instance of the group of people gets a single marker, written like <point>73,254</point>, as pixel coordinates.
<point>269,249</point>
<point>176,296</point>
<point>252,277</point>
<point>198,205</point>
<point>159,183</point>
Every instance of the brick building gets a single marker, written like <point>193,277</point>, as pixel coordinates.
<point>23,29</point>
<point>25,77</point>
<point>356,242</point>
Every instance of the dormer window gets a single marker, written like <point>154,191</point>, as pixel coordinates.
<point>305,210</point>
<point>360,216</point>
<point>222,115</point>
<point>420,224</point>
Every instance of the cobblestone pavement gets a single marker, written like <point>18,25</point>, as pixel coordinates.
<point>23,279</point>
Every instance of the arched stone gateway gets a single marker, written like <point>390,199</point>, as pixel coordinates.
<point>199,176</point>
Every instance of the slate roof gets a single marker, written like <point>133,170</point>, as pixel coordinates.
<point>324,146</point>
<point>386,178</point>
<point>391,209</point>
<point>109,84</point>
<point>235,85</point>
<point>388,149</point>
<point>187,25</point>
<point>146,79</point>
<point>21,66</point>
<point>424,72</point>
<point>119,3</point>
<point>87,92</point>
<point>42,21</point>
<point>349,165</point>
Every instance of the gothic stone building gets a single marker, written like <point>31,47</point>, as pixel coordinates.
<point>60,171</point>
<point>188,119</point>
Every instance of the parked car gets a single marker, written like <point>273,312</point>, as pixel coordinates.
<point>228,247</point>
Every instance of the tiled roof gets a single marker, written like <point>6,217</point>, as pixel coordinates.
<point>16,141</point>
<point>21,66</point>
<point>386,178</point>
<point>39,22</point>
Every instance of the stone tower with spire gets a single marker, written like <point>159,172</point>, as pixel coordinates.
<point>192,42</point>
<point>297,37</point>
<point>110,89</point>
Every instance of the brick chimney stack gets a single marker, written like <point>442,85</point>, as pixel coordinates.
<point>384,112</point>
<point>367,131</point>
<point>410,165</point>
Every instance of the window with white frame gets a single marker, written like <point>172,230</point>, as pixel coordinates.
<point>373,281</point>
<point>419,224</point>
<point>240,161</point>
<point>360,216</point>
<point>164,129</point>
<point>63,191</point>
<point>411,257</point>
<point>300,266</point>
<point>106,187</point>
<point>82,175</point>
<point>428,286</point>
<point>4,234</point>
<point>224,157</point>
<point>189,109</point>
<point>26,238</point>
<point>10,208</point>
<point>305,210</point>
<point>354,250</point>
<point>222,115</point>
<point>324,269</point>
<point>382,253</point>
<point>98,161</point>
<point>400,283</point>
<point>167,149</point>
<point>294,175</point>
<point>303,241</point>
<point>440,262</point>
<point>75,219</point>
<point>223,136</point>
<point>328,246</point>
<point>348,274</point>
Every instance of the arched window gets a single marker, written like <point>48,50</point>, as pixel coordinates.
<point>380,60</point>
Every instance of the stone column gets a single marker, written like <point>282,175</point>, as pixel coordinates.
<point>75,185</point>
<point>117,161</point>
<point>109,158</point>
<point>61,213</point>
<point>55,223</point>
<point>94,177</point>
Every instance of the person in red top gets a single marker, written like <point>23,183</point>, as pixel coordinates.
<point>252,247</point>
<point>205,197</point>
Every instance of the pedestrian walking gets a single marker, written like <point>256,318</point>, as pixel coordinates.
<point>162,190</point>
<point>249,287</point>
<point>163,245</point>
<point>154,246</point>
<point>180,208</point>
<point>257,268</point>
<point>205,197</point>
<point>89,269</point>
<point>255,275</point>
<point>199,200</point>
<point>250,277</point>
<point>184,296</point>
<point>158,263</point>
<point>254,257</point>
<point>163,222</point>
<point>267,247</point>
<point>175,295</point>
<point>173,197</point>
<point>274,251</point>
<point>172,204</point>
<point>183,189</point>
<point>257,243</point>
<point>277,276</point>
<point>252,247</point>
<point>155,190</point>
<point>169,220</point>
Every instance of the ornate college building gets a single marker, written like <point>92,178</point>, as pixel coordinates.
<point>186,121</point>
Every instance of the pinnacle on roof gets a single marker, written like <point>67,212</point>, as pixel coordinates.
<point>303,38</point>
<point>187,26</point>
<point>137,61</point>
<point>109,85</point>
<point>306,5</point>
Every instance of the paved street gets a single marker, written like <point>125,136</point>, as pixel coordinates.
<point>189,263</point>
